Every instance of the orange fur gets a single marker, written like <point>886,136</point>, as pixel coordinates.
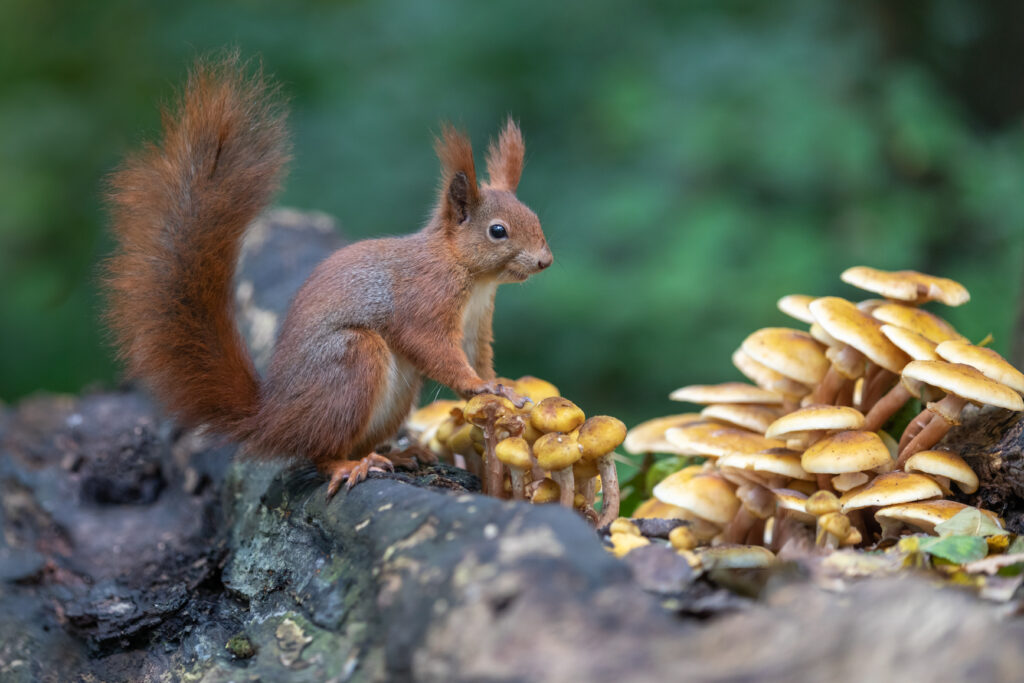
<point>370,321</point>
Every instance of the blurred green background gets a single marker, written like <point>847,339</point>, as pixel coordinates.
<point>691,162</point>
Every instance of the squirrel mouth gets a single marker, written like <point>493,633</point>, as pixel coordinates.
<point>515,275</point>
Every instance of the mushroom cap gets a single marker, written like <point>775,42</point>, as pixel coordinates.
<point>708,497</point>
<point>821,503</point>
<point>766,378</point>
<point>928,325</point>
<point>944,464</point>
<point>846,452</point>
<point>891,489</point>
<point>683,538</point>
<point>514,452</point>
<point>547,491</point>
<point>649,436</point>
<point>795,306</point>
<point>729,556</point>
<point>727,392</point>
<point>907,285</point>
<point>848,324</point>
<point>910,342</point>
<point>835,523</point>
<point>794,503</point>
<point>535,388</point>
<point>923,515</point>
<point>819,333</point>
<point>483,407</point>
<point>815,417</point>
<point>794,353</point>
<point>600,435</point>
<point>964,381</point>
<point>750,416</point>
<point>772,461</point>
<point>986,361</point>
<point>429,415</point>
<point>555,451</point>
<point>715,441</point>
<point>556,414</point>
<point>848,481</point>
<point>623,544</point>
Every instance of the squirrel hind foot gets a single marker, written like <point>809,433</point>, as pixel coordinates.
<point>412,457</point>
<point>351,472</point>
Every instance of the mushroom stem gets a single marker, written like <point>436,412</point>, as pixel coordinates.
<point>566,485</point>
<point>589,492</point>
<point>517,476</point>
<point>736,530</point>
<point>829,386</point>
<point>609,488</point>
<point>945,412</point>
<point>844,397</point>
<point>876,385</point>
<point>494,468</point>
<point>914,427</point>
<point>885,407</point>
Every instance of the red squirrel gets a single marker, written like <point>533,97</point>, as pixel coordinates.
<point>372,319</point>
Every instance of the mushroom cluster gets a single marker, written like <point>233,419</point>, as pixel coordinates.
<point>547,451</point>
<point>802,445</point>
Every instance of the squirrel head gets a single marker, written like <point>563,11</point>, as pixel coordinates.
<point>491,232</point>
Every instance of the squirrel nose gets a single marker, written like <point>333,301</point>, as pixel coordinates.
<point>545,260</point>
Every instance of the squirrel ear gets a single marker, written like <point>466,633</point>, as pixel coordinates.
<point>459,191</point>
<point>505,157</point>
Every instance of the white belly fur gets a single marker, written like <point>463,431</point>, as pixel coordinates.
<point>402,381</point>
<point>480,300</point>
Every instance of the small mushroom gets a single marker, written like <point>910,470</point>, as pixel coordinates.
<point>557,453</point>
<point>766,378</point>
<point>883,407</point>
<point>545,491</point>
<point>750,416</point>
<point>833,528</point>
<point>793,353</point>
<point>907,285</point>
<point>649,436</point>
<point>706,496</point>
<point>727,392</point>
<point>556,414</point>
<point>891,489</point>
<point>486,411</point>
<point>514,452</point>
<point>682,538</point>
<point>598,438</point>
<point>944,465</point>
<point>535,388</point>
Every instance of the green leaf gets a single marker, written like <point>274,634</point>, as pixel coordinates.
<point>661,469</point>
<point>1016,546</point>
<point>969,522</point>
<point>956,549</point>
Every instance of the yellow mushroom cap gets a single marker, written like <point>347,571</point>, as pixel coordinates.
<point>907,285</point>
<point>923,516</point>
<point>750,416</point>
<point>535,388</point>
<point>766,378</point>
<point>707,497</point>
<point>430,415</point>
<point>911,343</point>
<point>795,306</point>
<point>835,523</point>
<point>794,503</point>
<point>848,324</point>
<point>556,451</point>
<point>847,481</point>
<point>819,333</point>
<point>928,325</point>
<point>728,556</point>
<point>815,417</point>
<point>514,452</point>
<point>727,392</point>
<point>716,441</point>
<point>623,544</point>
<point>547,491</point>
<point>891,489</point>
<point>782,461</point>
<point>794,353</point>
<point>682,538</point>
<point>986,361</point>
<point>944,464</point>
<point>846,452</point>
<point>482,407</point>
<point>821,503</point>
<point>600,435</point>
<point>649,436</point>
<point>556,414</point>
<point>964,381</point>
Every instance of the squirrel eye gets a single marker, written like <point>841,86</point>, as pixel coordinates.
<point>497,231</point>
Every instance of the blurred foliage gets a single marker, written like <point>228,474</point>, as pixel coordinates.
<point>691,162</point>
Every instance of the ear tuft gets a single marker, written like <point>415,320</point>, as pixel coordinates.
<point>505,157</point>
<point>459,191</point>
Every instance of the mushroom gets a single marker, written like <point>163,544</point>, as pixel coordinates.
<point>598,438</point>
<point>423,422</point>
<point>986,361</point>
<point>845,452</point>
<point>907,285</point>
<point>891,489</point>
<point>962,383</point>
<point>750,416</point>
<point>766,378</point>
<point>556,414</point>
<point>793,353</point>
<point>713,440</point>
<point>649,436</point>
<point>795,306</point>
<point>944,467</point>
<point>881,409</point>
<point>757,504</point>
<point>860,337</point>
<point>815,421</point>
<point>772,462</point>
<point>928,325</point>
<point>486,411</point>
<point>557,453</point>
<point>922,516</point>
<point>514,452</point>
<point>545,491</point>
<point>833,528</point>
<point>736,557</point>
<point>623,544</point>
<point>682,538</point>
<point>535,388</point>
<point>727,392</point>
<point>708,497</point>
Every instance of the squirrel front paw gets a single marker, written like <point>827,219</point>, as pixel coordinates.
<point>498,389</point>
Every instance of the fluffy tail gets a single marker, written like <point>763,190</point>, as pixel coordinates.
<point>179,211</point>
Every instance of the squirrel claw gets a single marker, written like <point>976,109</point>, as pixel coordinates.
<point>355,471</point>
<point>412,457</point>
<point>504,391</point>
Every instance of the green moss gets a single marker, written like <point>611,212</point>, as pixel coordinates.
<point>240,646</point>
